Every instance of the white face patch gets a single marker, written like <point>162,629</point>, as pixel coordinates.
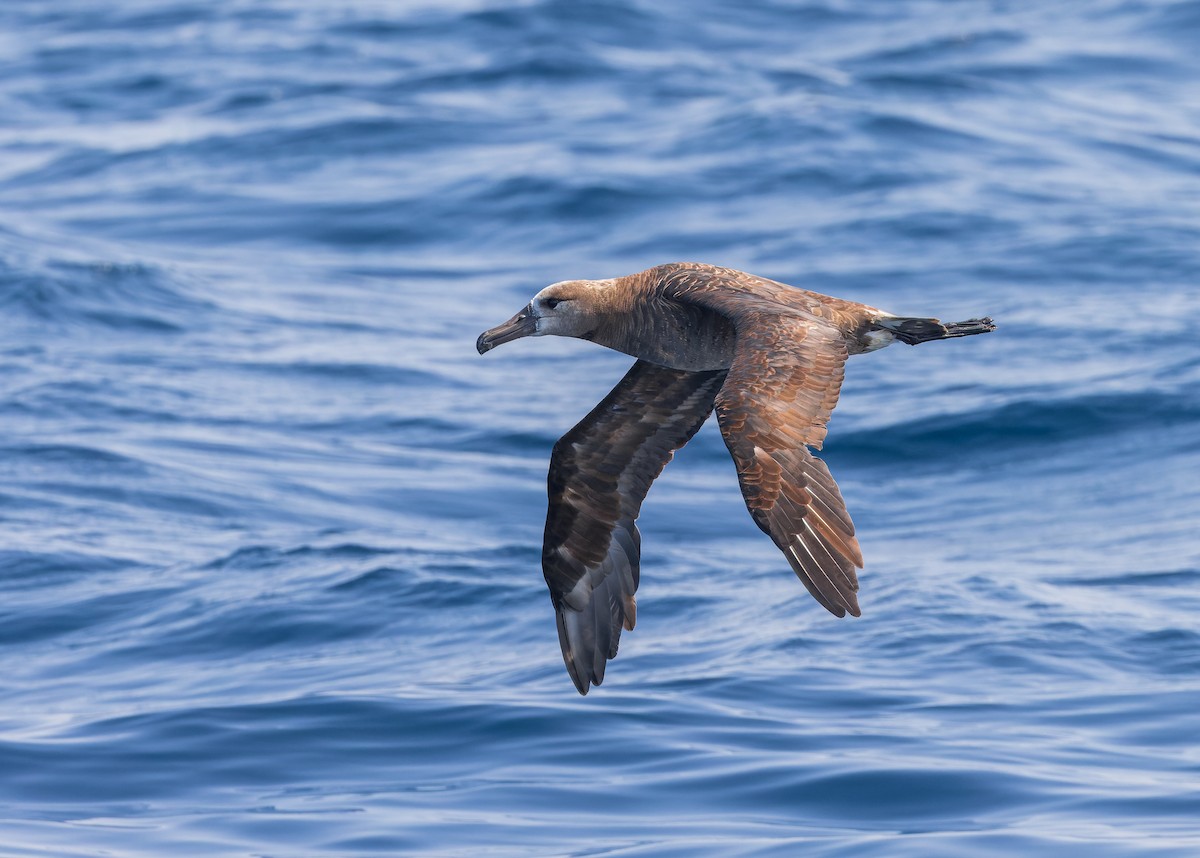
<point>562,309</point>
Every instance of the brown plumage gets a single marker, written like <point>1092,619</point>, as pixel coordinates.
<point>769,358</point>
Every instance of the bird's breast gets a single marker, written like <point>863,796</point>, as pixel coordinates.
<point>679,336</point>
<point>691,350</point>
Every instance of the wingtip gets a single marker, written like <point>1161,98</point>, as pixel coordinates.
<point>850,602</point>
<point>582,683</point>
<point>576,644</point>
<point>847,606</point>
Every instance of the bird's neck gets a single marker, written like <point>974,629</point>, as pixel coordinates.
<point>645,323</point>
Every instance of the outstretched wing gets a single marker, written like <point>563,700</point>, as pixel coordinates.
<point>600,473</point>
<point>775,403</point>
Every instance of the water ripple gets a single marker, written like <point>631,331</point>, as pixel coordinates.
<point>271,580</point>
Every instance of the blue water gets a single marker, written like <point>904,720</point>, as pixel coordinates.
<point>269,575</point>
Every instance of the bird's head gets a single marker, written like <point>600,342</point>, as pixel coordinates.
<point>571,308</point>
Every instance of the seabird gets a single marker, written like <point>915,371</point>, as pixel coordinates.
<point>769,358</point>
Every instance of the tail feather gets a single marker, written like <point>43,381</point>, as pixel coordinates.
<point>913,331</point>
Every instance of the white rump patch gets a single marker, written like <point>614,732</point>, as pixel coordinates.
<point>877,340</point>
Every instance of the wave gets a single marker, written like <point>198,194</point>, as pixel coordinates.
<point>1028,428</point>
<point>271,575</point>
<point>133,298</point>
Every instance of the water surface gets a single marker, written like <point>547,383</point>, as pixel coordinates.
<point>270,569</point>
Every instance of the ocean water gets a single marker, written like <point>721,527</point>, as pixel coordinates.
<point>269,575</point>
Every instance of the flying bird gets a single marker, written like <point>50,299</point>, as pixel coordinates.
<point>769,358</point>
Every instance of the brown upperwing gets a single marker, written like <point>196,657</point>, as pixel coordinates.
<point>600,473</point>
<point>775,404</point>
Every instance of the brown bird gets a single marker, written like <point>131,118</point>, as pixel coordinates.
<point>769,357</point>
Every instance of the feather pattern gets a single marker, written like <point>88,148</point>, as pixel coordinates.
<point>770,358</point>
<point>600,473</point>
<point>782,387</point>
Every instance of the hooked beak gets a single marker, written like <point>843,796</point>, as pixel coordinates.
<point>521,325</point>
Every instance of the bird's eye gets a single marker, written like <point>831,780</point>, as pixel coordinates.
<point>551,303</point>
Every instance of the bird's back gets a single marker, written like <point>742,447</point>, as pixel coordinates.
<point>692,311</point>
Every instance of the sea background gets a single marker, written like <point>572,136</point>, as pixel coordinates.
<point>269,569</point>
